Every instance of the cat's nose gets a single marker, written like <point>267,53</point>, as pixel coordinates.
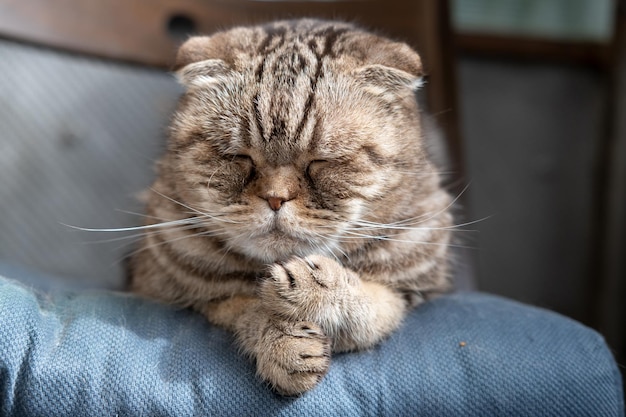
<point>275,203</point>
<point>277,186</point>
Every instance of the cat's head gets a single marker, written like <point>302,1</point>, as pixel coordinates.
<point>291,136</point>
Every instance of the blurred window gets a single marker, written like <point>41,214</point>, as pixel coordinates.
<point>563,20</point>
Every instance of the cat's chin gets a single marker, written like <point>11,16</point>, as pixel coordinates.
<point>277,247</point>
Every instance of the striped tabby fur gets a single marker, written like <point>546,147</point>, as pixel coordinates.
<point>304,213</point>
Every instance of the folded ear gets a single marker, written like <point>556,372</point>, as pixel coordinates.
<point>200,48</point>
<point>203,73</point>
<point>390,54</point>
<point>386,66</point>
<point>381,79</point>
<point>202,59</point>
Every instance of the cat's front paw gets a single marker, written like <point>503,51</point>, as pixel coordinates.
<point>314,288</point>
<point>293,357</point>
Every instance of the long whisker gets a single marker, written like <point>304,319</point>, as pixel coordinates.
<point>203,233</point>
<point>356,236</point>
<point>176,201</point>
<point>418,219</point>
<point>325,240</point>
<point>200,217</point>
<point>143,234</point>
<point>365,225</point>
<point>147,216</point>
<point>443,210</point>
<point>193,220</point>
<point>193,209</point>
<point>425,173</point>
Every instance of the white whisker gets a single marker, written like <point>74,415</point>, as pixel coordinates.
<point>365,225</point>
<point>157,232</point>
<point>356,236</point>
<point>193,209</point>
<point>147,216</point>
<point>195,220</point>
<point>169,241</point>
<point>176,201</point>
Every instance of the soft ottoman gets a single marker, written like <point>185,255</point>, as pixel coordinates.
<point>463,354</point>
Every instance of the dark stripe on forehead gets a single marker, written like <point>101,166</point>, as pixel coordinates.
<point>273,32</point>
<point>320,42</point>
<point>331,35</point>
<point>265,48</point>
<point>279,128</point>
<point>258,73</point>
<point>257,116</point>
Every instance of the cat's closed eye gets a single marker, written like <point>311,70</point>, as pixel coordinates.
<point>246,163</point>
<point>315,167</point>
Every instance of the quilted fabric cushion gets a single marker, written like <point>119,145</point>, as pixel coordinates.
<point>470,354</point>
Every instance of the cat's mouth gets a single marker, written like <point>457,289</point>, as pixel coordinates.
<point>281,234</point>
<point>278,225</point>
<point>276,246</point>
<point>278,240</point>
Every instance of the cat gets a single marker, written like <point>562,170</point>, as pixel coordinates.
<point>295,204</point>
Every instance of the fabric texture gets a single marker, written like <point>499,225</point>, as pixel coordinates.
<point>470,354</point>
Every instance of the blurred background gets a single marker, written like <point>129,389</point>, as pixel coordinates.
<point>530,96</point>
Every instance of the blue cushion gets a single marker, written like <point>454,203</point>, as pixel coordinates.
<point>469,354</point>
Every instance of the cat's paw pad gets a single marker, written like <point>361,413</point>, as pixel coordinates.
<point>293,357</point>
<point>307,288</point>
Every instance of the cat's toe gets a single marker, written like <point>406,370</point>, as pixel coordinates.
<point>300,278</point>
<point>314,289</point>
<point>294,357</point>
